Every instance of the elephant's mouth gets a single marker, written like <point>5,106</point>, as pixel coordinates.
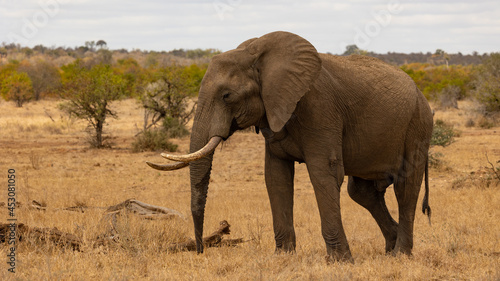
<point>234,127</point>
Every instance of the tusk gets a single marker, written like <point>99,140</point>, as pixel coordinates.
<point>168,167</point>
<point>207,149</point>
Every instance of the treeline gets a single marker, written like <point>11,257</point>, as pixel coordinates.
<point>456,59</point>
<point>439,57</point>
<point>87,86</point>
<point>63,55</point>
<point>90,77</point>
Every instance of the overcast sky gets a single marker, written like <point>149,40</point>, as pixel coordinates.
<point>378,25</point>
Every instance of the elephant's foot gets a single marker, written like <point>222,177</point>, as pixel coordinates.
<point>280,250</point>
<point>337,255</point>
<point>402,248</point>
<point>390,239</point>
<point>389,245</point>
<point>286,246</point>
<point>404,241</point>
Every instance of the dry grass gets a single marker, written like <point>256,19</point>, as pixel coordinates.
<point>55,166</point>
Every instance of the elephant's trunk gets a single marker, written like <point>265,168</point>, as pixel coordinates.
<point>200,176</point>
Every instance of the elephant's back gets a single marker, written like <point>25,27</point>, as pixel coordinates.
<point>380,102</point>
<point>365,71</point>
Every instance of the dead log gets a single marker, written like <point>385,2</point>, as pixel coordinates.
<point>145,210</point>
<point>213,240</point>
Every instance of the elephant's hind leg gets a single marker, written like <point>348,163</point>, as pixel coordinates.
<point>407,188</point>
<point>366,194</point>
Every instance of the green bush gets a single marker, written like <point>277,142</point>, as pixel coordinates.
<point>153,140</point>
<point>442,134</point>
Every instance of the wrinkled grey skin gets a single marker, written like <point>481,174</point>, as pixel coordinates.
<point>354,116</point>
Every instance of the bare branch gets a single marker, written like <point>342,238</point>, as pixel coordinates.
<point>497,175</point>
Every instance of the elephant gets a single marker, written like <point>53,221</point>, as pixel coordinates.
<point>352,116</point>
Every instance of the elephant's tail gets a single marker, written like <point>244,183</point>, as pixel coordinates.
<point>425,204</point>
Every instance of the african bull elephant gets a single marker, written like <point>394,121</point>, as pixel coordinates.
<point>354,116</point>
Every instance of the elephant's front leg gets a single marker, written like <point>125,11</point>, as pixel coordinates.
<point>327,176</point>
<point>279,182</point>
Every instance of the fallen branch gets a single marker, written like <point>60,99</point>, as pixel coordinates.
<point>213,240</point>
<point>53,235</point>
<point>38,206</point>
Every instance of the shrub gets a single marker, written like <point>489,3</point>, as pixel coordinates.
<point>442,134</point>
<point>17,87</point>
<point>485,122</point>
<point>432,80</point>
<point>153,140</point>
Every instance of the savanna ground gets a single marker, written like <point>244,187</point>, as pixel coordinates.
<point>55,166</point>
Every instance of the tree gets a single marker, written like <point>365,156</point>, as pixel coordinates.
<point>166,99</point>
<point>440,57</point>
<point>40,48</point>
<point>45,77</point>
<point>133,73</point>
<point>3,52</point>
<point>90,45</point>
<point>353,50</point>
<point>18,88</point>
<point>104,56</point>
<point>101,44</point>
<point>27,52</point>
<point>89,94</point>
<point>487,83</point>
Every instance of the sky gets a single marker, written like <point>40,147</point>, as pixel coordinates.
<point>380,26</point>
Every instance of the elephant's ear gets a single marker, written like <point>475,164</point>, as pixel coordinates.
<point>288,65</point>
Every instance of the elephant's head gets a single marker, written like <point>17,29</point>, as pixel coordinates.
<point>257,84</point>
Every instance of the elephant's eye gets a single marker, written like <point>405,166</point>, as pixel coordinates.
<point>226,96</point>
